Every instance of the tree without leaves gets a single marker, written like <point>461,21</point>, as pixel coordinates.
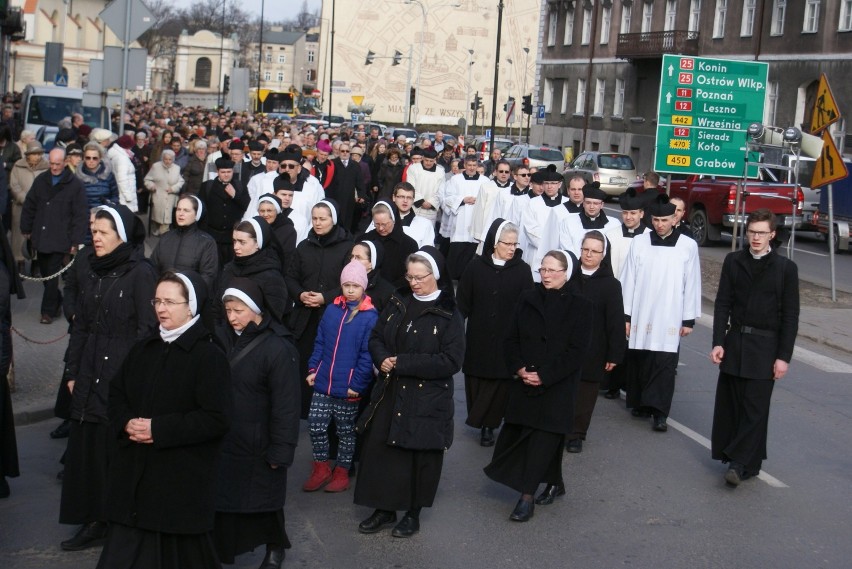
<point>207,15</point>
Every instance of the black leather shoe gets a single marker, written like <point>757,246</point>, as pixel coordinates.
<point>487,437</point>
<point>549,494</point>
<point>407,526</point>
<point>612,394</point>
<point>660,424</point>
<point>574,445</point>
<point>274,557</point>
<point>523,511</point>
<point>377,521</point>
<point>734,475</point>
<point>5,491</point>
<point>61,432</point>
<point>640,412</point>
<point>92,534</point>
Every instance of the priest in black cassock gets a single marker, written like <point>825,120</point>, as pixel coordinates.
<point>225,200</point>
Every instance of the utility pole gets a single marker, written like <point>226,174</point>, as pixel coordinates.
<point>496,75</point>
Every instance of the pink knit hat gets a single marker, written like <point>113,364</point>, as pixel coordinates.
<point>354,272</point>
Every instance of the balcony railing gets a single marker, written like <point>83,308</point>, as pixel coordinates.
<point>655,44</point>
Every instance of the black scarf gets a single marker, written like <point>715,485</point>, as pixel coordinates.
<point>106,263</point>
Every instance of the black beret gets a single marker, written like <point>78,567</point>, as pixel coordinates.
<point>593,191</point>
<point>429,153</point>
<point>255,146</point>
<point>660,207</point>
<point>224,163</point>
<point>548,176</point>
<point>537,177</point>
<point>630,201</point>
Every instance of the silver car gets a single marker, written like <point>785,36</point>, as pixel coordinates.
<point>534,155</point>
<point>614,171</point>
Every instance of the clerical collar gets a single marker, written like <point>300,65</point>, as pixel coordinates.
<point>506,185</point>
<point>598,222</point>
<point>428,297</point>
<point>768,251</point>
<point>407,218</point>
<point>669,240</point>
<point>434,168</point>
<point>552,202</point>
<point>588,272</point>
<point>498,262</point>
<point>573,207</point>
<point>474,177</point>
<point>516,191</point>
<point>631,233</point>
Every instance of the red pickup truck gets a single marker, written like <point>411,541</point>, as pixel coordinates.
<point>711,201</point>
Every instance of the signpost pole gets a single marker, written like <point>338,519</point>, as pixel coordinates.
<point>124,67</point>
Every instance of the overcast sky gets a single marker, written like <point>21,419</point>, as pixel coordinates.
<point>275,9</point>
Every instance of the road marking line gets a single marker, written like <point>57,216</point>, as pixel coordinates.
<point>705,442</point>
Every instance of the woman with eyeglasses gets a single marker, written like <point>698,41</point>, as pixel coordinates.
<point>168,412</point>
<point>418,345</point>
<point>488,292</point>
<point>596,282</point>
<point>165,181</point>
<point>97,177</point>
<point>113,313</point>
<point>546,347</point>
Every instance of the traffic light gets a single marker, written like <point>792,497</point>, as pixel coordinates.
<point>227,85</point>
<point>477,102</point>
<point>412,96</point>
<point>397,57</point>
<point>176,88</point>
<point>527,105</point>
<point>370,57</point>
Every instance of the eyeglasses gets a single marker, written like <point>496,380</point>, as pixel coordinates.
<point>543,271</point>
<point>417,279</point>
<point>503,171</point>
<point>91,158</point>
<point>343,151</point>
<point>760,234</point>
<point>587,251</point>
<point>523,175</point>
<point>168,303</point>
<point>289,166</point>
<point>507,244</point>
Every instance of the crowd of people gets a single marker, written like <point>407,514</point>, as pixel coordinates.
<point>339,277</point>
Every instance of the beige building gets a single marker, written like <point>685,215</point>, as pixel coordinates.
<point>76,25</point>
<point>282,65</point>
<point>449,74</point>
<point>201,62</point>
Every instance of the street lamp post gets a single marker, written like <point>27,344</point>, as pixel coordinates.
<point>469,82</point>
<point>424,10</point>
<point>496,75</point>
<point>524,94</point>
<point>509,100</point>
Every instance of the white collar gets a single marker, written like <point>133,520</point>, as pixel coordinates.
<point>768,251</point>
<point>498,262</point>
<point>428,297</point>
<point>170,336</point>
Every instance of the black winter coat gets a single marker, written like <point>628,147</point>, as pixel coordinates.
<point>221,211</point>
<point>603,290</point>
<point>345,186</point>
<point>389,176</point>
<point>265,421</point>
<point>428,355</point>
<point>184,387</point>
<point>316,266</point>
<point>487,296</point>
<point>285,236</point>
<point>264,269</point>
<point>56,216</point>
<point>397,246</point>
<point>550,332</point>
<point>113,313</point>
<point>761,295</point>
<point>379,290</point>
<point>187,249</point>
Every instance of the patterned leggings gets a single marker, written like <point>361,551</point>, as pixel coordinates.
<point>323,409</point>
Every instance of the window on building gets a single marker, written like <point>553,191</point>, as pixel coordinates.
<point>203,69</point>
<point>569,28</point>
<point>581,97</point>
<point>311,56</point>
<point>694,15</point>
<point>268,57</point>
<point>618,103</point>
<point>771,102</point>
<point>282,58</point>
<point>625,18</point>
<point>267,76</point>
<point>749,9</point>
<point>310,75</point>
<point>647,17</point>
<point>671,15</point>
<point>845,24</point>
<point>547,96</point>
<point>587,26</point>
<point>563,104</point>
<point>600,93</point>
<point>719,20</point>
<point>280,76</point>
<point>779,11</point>
<point>606,24</point>
<point>811,23</point>
<point>551,29</point>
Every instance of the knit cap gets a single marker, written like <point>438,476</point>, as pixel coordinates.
<point>354,272</point>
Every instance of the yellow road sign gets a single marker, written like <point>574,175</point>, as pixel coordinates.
<point>262,94</point>
<point>829,166</point>
<point>825,110</point>
<point>358,99</point>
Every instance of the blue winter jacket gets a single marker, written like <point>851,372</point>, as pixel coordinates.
<point>341,357</point>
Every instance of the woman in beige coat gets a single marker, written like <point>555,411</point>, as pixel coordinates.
<point>24,171</point>
<point>165,181</point>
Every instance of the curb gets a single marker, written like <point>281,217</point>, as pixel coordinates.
<point>33,413</point>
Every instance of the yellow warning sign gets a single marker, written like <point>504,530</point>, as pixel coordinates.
<point>358,99</point>
<point>825,110</point>
<point>829,166</point>
<point>262,94</point>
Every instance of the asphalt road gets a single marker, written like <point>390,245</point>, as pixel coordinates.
<point>636,498</point>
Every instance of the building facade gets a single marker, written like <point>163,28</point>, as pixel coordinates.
<point>202,61</point>
<point>599,72</point>
<point>280,61</point>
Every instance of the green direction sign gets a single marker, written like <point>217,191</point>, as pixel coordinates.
<point>704,110</point>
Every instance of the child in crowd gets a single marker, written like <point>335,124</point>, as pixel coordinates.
<point>340,369</point>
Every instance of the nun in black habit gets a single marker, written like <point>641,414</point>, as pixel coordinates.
<point>398,246</point>
<point>488,293</point>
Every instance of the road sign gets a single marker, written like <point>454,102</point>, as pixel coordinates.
<point>115,16</point>
<point>829,166</point>
<point>510,111</point>
<point>825,111</point>
<point>539,114</point>
<point>704,109</point>
<point>61,80</point>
